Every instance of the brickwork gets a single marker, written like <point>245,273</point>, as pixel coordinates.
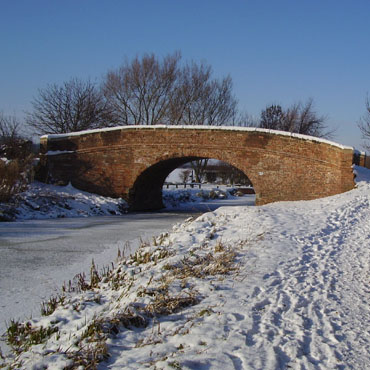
<point>361,159</point>
<point>134,162</point>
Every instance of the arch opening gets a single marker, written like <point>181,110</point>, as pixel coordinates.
<point>146,193</point>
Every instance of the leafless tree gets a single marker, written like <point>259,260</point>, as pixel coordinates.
<point>187,101</point>
<point>10,128</point>
<point>199,167</point>
<point>364,124</point>
<point>201,100</point>
<point>13,145</point>
<point>150,91</point>
<point>302,118</point>
<point>139,92</point>
<point>17,170</point>
<point>185,175</point>
<point>272,117</point>
<point>299,118</point>
<point>231,175</point>
<point>73,106</point>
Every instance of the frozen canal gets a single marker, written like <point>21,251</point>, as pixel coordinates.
<point>37,256</point>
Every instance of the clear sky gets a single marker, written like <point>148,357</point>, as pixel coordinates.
<point>276,51</point>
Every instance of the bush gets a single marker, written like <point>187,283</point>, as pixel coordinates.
<point>16,159</point>
<point>14,176</point>
<point>15,148</point>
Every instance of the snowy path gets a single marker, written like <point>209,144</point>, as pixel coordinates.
<point>301,300</point>
<point>310,306</point>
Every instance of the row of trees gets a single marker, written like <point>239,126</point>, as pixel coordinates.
<point>149,91</point>
<point>145,91</point>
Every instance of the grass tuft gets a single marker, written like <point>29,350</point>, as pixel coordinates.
<point>48,307</point>
<point>20,336</point>
<point>199,266</point>
<point>163,304</point>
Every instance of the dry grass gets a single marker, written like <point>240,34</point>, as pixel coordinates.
<point>92,344</point>
<point>146,255</point>
<point>81,283</point>
<point>20,336</point>
<point>159,300</point>
<point>88,357</point>
<point>163,304</point>
<point>211,264</point>
<point>49,306</point>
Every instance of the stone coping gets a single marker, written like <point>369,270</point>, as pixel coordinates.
<point>189,127</point>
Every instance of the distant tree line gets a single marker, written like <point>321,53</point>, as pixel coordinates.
<point>219,172</point>
<point>226,174</point>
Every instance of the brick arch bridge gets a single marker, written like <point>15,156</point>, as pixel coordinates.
<point>133,161</point>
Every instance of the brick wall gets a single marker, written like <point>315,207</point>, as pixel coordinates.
<point>133,162</point>
<point>361,159</point>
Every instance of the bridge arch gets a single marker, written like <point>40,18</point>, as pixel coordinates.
<point>132,161</point>
<point>146,193</point>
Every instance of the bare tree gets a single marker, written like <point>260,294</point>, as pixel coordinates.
<point>299,118</point>
<point>185,175</point>
<point>187,101</point>
<point>17,170</point>
<point>199,167</point>
<point>231,175</point>
<point>12,143</point>
<point>9,128</point>
<point>74,106</point>
<point>364,124</point>
<point>201,100</point>
<point>302,118</point>
<point>139,93</point>
<point>272,117</point>
<point>149,91</point>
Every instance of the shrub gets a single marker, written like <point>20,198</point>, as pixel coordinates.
<point>14,176</point>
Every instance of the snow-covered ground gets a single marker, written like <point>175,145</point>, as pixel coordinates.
<point>37,256</point>
<point>55,238</point>
<point>44,201</point>
<point>285,285</point>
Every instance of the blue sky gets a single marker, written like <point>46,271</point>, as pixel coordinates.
<point>276,51</point>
